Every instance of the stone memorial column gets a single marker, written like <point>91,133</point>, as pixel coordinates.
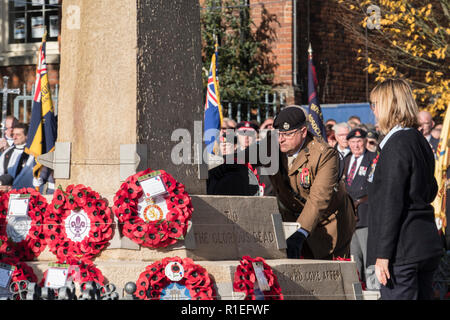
<point>130,75</point>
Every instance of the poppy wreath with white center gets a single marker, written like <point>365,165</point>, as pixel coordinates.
<point>83,272</point>
<point>75,198</point>
<point>153,234</point>
<point>34,242</point>
<point>153,280</point>
<point>245,278</point>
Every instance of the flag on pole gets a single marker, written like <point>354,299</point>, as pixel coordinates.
<point>440,173</point>
<point>315,117</point>
<point>213,108</point>
<point>42,131</point>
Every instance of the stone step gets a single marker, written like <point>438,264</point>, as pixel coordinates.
<point>298,279</point>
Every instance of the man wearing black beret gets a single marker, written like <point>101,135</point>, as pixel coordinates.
<point>309,192</point>
<point>358,169</point>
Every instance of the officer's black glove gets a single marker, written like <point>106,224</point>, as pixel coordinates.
<point>295,245</point>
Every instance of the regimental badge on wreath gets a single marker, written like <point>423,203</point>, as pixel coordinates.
<point>152,205</point>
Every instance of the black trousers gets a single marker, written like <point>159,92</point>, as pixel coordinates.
<point>411,281</point>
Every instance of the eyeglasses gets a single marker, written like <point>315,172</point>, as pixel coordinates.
<point>287,135</point>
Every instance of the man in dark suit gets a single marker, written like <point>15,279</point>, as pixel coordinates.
<point>16,166</point>
<point>359,164</point>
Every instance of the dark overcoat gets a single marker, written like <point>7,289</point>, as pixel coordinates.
<point>358,189</point>
<point>402,227</point>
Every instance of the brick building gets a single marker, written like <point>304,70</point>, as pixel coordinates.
<point>341,77</point>
<point>21,30</point>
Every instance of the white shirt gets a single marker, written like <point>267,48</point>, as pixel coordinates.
<point>13,160</point>
<point>292,158</point>
<point>344,152</point>
<point>358,163</point>
<point>10,141</point>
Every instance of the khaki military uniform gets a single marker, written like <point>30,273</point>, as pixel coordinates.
<point>309,192</point>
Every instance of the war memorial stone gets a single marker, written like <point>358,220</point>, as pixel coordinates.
<point>130,79</point>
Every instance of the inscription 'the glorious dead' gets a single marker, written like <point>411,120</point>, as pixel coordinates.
<point>228,237</point>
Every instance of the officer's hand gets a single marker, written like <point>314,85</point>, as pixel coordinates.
<point>295,245</point>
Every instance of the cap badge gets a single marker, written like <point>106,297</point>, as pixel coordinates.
<point>358,134</point>
<point>286,126</point>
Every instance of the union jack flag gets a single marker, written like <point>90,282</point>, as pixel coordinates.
<point>43,127</point>
<point>213,109</point>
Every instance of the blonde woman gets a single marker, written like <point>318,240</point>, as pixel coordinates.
<point>403,241</point>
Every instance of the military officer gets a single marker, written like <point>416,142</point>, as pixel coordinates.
<point>309,191</point>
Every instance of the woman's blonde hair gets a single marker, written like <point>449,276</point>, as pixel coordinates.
<point>395,104</point>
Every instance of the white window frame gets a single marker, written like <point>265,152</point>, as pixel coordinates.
<point>21,53</point>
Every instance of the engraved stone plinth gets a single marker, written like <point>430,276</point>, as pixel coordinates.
<point>229,227</point>
<point>298,279</point>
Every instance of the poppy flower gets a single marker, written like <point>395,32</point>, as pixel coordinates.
<point>169,182</point>
<point>140,230</point>
<point>175,230</point>
<point>152,239</point>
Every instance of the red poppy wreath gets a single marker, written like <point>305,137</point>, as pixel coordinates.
<point>79,272</point>
<point>22,270</point>
<point>174,279</point>
<point>245,280</point>
<point>153,221</point>
<point>22,235</point>
<point>78,223</point>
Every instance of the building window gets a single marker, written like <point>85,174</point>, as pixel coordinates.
<point>22,25</point>
<point>28,19</point>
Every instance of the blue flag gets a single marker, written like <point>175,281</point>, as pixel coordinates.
<point>315,117</point>
<point>42,132</point>
<point>213,109</point>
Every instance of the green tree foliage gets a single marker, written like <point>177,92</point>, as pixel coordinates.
<point>246,63</point>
